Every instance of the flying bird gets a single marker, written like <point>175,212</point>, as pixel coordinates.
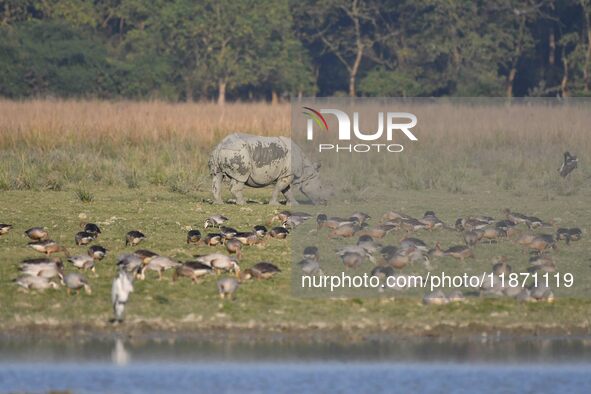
<point>568,165</point>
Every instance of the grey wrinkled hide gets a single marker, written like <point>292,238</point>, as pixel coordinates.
<point>258,161</point>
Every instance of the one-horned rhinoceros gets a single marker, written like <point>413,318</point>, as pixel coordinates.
<point>258,161</point>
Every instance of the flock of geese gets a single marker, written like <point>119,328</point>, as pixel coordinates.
<point>474,230</point>
<point>388,260</point>
<point>49,272</point>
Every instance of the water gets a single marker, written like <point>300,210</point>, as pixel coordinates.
<point>418,366</point>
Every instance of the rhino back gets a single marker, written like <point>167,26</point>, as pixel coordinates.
<point>255,160</point>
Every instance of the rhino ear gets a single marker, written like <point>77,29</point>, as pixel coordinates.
<point>317,165</point>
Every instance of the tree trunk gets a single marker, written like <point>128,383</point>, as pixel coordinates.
<point>189,90</point>
<point>552,48</point>
<point>510,79</point>
<point>274,98</point>
<point>564,82</point>
<point>221,92</point>
<point>586,77</point>
<point>354,70</point>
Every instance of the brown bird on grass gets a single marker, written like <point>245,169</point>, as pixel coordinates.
<point>191,269</point>
<point>37,233</point>
<point>48,247</point>
<point>262,270</point>
<point>234,246</point>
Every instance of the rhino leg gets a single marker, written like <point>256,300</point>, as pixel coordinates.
<point>216,188</point>
<point>288,193</point>
<point>236,188</point>
<point>281,185</point>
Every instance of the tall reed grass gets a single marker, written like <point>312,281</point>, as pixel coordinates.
<point>56,144</point>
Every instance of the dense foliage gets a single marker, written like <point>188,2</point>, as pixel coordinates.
<point>268,49</point>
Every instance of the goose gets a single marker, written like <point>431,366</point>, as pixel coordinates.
<point>311,252</point>
<point>48,247</point>
<point>47,267</point>
<point>459,252</point>
<point>83,262</point>
<point>493,234</point>
<point>97,252</point>
<point>191,269</point>
<point>145,254</point>
<point>542,242</point>
<point>158,264</point>
<point>84,238</point>
<point>352,260</point>
<point>31,282</point>
<point>392,215</point>
<point>92,229</point>
<point>215,221</point>
<point>247,238</point>
<point>344,230</point>
<point>379,231</point>
<point>310,267</point>
<point>574,234</point>
<point>234,246</point>
<point>260,230</point>
<point>432,221</point>
<point>542,262</point>
<point>533,222</point>
<point>220,262</point>
<point>562,234</point>
<point>212,239</point>
<point>362,217</point>
<point>129,262</point>
<point>500,266</point>
<point>411,225</point>
<point>417,243</point>
<point>333,222</point>
<point>227,288</point>
<point>471,238</point>
<point>193,237</point>
<point>134,237</point>
<point>279,232</point>
<point>37,233</point>
<point>514,217</point>
<point>75,281</point>
<point>228,232</point>
<point>368,243</point>
<point>401,258</point>
<point>5,228</point>
<point>262,270</point>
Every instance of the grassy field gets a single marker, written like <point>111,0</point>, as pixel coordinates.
<point>142,166</point>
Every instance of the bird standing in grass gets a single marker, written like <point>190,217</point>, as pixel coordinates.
<point>122,287</point>
<point>215,221</point>
<point>75,281</point>
<point>227,288</point>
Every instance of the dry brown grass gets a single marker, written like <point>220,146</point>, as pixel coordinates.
<point>47,123</point>
<point>52,144</point>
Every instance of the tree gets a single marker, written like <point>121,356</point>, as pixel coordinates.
<point>343,28</point>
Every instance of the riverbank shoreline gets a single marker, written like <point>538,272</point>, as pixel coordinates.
<point>144,330</point>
